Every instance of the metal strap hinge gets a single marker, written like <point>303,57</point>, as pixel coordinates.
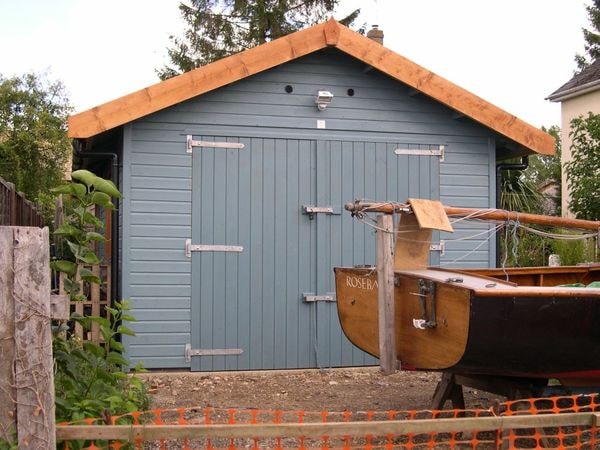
<point>191,143</point>
<point>309,298</point>
<point>422,152</point>
<point>440,247</point>
<point>189,248</point>
<point>189,352</point>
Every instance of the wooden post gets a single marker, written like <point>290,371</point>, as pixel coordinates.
<point>385,280</point>
<point>8,407</point>
<point>29,381</point>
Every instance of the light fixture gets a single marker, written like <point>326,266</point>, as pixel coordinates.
<point>323,99</point>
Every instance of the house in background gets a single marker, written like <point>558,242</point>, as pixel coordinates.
<point>234,178</point>
<point>550,191</point>
<point>578,96</point>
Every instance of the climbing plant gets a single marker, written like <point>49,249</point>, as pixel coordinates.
<point>91,379</point>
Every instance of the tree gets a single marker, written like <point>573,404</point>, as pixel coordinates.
<point>34,147</point>
<point>591,37</point>
<point>219,28</point>
<point>583,171</point>
<point>546,167</point>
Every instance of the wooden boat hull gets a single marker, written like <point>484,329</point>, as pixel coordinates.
<point>483,325</point>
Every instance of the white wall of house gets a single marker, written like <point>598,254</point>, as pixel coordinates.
<point>571,108</point>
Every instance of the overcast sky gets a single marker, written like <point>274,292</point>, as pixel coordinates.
<point>513,53</point>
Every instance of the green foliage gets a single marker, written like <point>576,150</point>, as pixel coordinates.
<point>11,443</point>
<point>574,252</point>
<point>219,28</point>
<point>34,147</point>
<point>91,380</point>
<point>523,249</point>
<point>591,37</point>
<point>519,193</point>
<point>546,167</point>
<point>86,192</point>
<point>583,171</point>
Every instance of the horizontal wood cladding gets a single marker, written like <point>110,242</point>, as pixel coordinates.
<point>159,194</point>
<point>379,104</point>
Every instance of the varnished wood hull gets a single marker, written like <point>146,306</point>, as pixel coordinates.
<point>483,325</point>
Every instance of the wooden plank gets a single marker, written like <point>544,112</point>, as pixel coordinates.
<point>385,294</point>
<point>34,370</point>
<point>95,299</point>
<point>8,410</point>
<point>412,244</point>
<point>375,428</point>
<point>430,214</point>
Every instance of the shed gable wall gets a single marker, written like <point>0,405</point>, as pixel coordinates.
<point>158,171</point>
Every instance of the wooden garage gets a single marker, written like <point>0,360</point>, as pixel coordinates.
<point>234,177</point>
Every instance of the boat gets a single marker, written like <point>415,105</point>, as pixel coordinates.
<point>536,323</point>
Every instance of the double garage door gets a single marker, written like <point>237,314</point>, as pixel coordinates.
<point>268,225</point>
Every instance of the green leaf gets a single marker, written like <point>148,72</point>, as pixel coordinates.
<point>117,346</point>
<point>107,187</point>
<point>93,348</point>
<point>87,256</point>
<point>68,267</point>
<point>87,275</point>
<point>102,199</point>
<point>116,358</point>
<point>93,236</point>
<point>121,329</point>
<point>91,219</point>
<point>128,318</point>
<point>67,230</point>
<point>84,176</point>
<point>76,189</point>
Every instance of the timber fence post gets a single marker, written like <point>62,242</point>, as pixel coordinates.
<point>385,294</point>
<point>26,369</point>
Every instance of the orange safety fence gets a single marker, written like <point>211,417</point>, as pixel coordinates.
<point>568,423</point>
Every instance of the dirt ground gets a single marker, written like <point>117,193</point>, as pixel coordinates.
<point>355,389</point>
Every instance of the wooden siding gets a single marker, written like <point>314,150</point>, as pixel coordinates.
<point>157,209</point>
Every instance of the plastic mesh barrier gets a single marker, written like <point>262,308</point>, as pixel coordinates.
<point>470,437</point>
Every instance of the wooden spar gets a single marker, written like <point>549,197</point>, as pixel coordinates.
<point>484,214</point>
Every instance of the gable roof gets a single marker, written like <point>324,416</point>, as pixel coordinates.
<point>585,81</point>
<point>266,56</point>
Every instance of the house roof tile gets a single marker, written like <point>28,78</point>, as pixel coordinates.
<point>582,81</point>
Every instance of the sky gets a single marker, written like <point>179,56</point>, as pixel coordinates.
<point>512,53</point>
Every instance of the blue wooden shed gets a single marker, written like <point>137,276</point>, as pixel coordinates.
<point>234,177</point>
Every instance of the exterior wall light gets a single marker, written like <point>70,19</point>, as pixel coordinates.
<point>323,99</point>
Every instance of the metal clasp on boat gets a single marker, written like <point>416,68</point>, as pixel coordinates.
<point>426,289</point>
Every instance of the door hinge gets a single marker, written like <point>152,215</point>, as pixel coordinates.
<point>189,248</point>
<point>189,352</point>
<point>191,143</point>
<point>311,298</point>
<point>422,152</point>
<point>312,210</point>
<point>440,247</point>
